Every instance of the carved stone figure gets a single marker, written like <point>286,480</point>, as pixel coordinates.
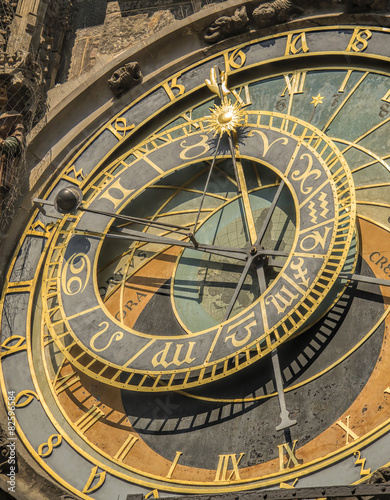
<point>124,78</point>
<point>277,11</point>
<point>11,143</point>
<point>227,26</point>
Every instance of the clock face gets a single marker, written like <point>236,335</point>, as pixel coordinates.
<point>211,314</point>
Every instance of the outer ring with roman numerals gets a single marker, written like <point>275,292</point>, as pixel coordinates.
<point>52,442</point>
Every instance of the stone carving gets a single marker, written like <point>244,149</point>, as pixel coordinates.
<point>380,476</point>
<point>12,135</point>
<point>124,78</point>
<point>275,12</point>
<point>226,26</point>
<point>9,62</point>
<point>269,13</point>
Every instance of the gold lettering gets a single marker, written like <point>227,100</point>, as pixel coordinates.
<point>290,452</point>
<point>289,486</point>
<point>89,419</point>
<point>114,337</point>
<point>153,494</point>
<point>361,462</point>
<point>63,383</point>
<point>174,463</point>
<point>386,97</point>
<point>316,238</point>
<point>29,395</point>
<point>292,46</point>
<point>76,264</point>
<point>235,60</point>
<point>222,469</point>
<point>247,327</point>
<point>161,357</point>
<point>203,144</point>
<point>101,477</point>
<point>282,300</point>
<point>294,83</point>
<point>125,448</point>
<point>237,95</point>
<point>347,429</point>
<point>172,84</point>
<point>357,43</point>
<point>50,445</point>
<point>114,197</point>
<point>266,145</point>
<point>345,81</point>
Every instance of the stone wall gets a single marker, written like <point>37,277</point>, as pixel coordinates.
<point>106,28</point>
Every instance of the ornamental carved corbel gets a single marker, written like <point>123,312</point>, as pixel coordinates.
<point>275,12</point>
<point>226,26</point>
<point>124,78</point>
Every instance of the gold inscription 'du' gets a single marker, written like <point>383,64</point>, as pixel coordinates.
<point>161,357</point>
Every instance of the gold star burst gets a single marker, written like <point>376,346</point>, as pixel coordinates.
<point>319,99</point>
<point>225,118</point>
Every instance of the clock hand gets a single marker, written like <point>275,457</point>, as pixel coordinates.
<point>285,420</point>
<point>364,279</point>
<point>132,234</point>
<point>139,220</point>
<point>254,251</point>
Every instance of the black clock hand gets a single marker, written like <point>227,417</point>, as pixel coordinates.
<point>132,234</point>
<point>139,220</point>
<point>206,187</point>
<point>255,251</point>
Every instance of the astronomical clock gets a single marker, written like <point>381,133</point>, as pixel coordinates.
<point>199,301</point>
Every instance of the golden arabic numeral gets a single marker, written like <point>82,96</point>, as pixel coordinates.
<point>29,395</point>
<point>153,493</point>
<point>235,60</point>
<point>121,127</point>
<point>359,40</point>
<point>76,264</point>
<point>173,85</point>
<point>241,330</point>
<point>114,337</point>
<point>11,349</point>
<point>50,445</point>
<point>202,144</point>
<point>361,462</point>
<point>112,193</point>
<point>296,44</point>
<point>95,480</point>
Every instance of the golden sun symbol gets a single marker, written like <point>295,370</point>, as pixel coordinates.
<point>225,118</point>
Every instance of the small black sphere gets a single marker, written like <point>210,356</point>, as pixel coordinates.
<point>68,200</point>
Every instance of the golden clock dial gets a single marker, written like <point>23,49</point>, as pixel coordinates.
<point>213,316</point>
